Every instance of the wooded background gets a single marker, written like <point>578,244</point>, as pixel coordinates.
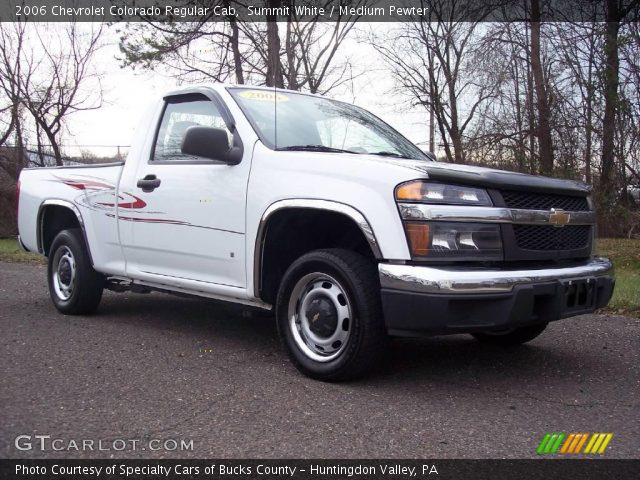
<point>559,98</point>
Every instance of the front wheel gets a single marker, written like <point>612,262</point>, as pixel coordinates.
<point>329,315</point>
<point>511,337</point>
<point>75,287</point>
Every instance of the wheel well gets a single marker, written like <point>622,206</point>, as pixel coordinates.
<point>292,232</point>
<point>54,219</point>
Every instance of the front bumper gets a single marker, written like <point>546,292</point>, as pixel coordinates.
<point>421,299</point>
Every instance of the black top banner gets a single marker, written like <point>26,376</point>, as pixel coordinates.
<point>318,10</point>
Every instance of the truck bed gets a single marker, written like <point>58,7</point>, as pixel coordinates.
<point>92,193</point>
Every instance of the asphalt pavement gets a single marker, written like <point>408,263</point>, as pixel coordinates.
<point>154,372</point>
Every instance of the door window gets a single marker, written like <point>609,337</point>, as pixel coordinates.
<point>179,115</point>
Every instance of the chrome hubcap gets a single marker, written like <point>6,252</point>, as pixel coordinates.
<point>320,316</point>
<point>64,275</point>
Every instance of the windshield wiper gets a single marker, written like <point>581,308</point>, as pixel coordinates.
<point>314,148</point>
<point>389,154</point>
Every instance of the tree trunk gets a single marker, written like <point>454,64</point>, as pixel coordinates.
<point>57,154</point>
<point>39,147</point>
<point>432,115</point>
<point>589,133</point>
<point>292,83</point>
<point>545,146</point>
<point>235,48</point>
<point>54,145</point>
<point>12,124</point>
<point>20,144</point>
<point>20,160</point>
<point>520,149</point>
<point>458,150</point>
<point>531,117</point>
<point>589,107</point>
<point>274,68</point>
<point>607,187</point>
<point>456,136</point>
<point>432,131</point>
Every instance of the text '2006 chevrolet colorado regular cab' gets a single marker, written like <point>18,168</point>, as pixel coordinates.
<point>320,210</point>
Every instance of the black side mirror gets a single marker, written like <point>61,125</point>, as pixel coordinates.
<point>212,143</point>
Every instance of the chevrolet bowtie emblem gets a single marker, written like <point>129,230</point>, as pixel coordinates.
<point>559,217</point>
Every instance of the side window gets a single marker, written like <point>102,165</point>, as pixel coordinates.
<point>179,115</point>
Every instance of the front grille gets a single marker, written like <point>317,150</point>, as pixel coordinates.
<point>548,237</point>
<point>544,201</point>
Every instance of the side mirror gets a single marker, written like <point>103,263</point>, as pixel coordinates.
<point>212,143</point>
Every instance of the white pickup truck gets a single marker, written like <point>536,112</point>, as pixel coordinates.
<point>319,210</point>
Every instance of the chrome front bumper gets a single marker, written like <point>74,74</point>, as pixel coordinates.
<point>456,280</point>
<point>419,300</point>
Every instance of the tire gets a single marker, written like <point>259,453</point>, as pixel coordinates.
<point>329,315</point>
<point>511,338</point>
<point>75,287</point>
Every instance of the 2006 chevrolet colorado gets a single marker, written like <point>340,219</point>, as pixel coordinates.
<point>318,208</point>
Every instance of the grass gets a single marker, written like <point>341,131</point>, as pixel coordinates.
<point>624,253</point>
<point>10,251</point>
<point>626,258</point>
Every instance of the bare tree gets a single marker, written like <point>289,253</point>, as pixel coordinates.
<point>312,51</point>
<point>45,71</point>
<point>199,49</point>
<point>12,44</point>
<point>542,94</point>
<point>7,120</point>
<point>628,128</point>
<point>433,60</point>
<point>504,131</point>
<point>579,47</point>
<point>55,89</point>
<point>616,13</point>
<point>289,52</point>
<point>12,158</point>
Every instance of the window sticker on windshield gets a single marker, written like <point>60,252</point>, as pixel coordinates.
<point>263,96</point>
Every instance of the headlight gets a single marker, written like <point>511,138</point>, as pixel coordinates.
<point>454,240</point>
<point>441,193</point>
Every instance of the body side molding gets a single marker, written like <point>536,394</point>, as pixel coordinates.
<point>57,202</point>
<point>313,204</point>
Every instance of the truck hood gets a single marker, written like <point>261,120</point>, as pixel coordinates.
<point>488,177</point>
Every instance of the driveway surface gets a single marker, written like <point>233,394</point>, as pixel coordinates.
<point>163,368</point>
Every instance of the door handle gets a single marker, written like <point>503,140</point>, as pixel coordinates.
<point>149,183</point>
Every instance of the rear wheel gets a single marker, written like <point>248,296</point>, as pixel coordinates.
<point>75,287</point>
<point>329,315</point>
<point>511,337</point>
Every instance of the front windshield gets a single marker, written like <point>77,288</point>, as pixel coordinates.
<point>294,121</point>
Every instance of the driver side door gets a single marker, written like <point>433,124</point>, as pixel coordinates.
<point>191,227</point>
